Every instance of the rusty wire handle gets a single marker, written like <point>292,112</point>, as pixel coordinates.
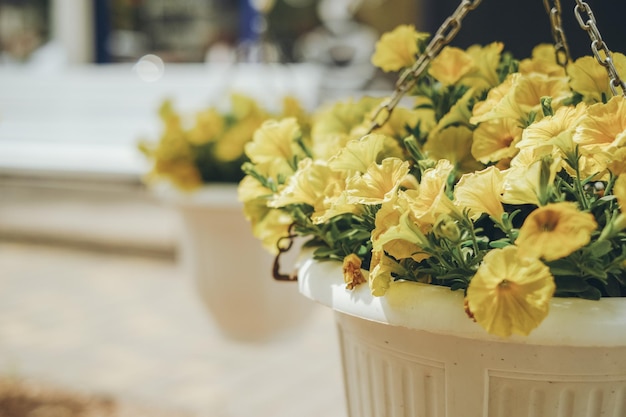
<point>278,276</point>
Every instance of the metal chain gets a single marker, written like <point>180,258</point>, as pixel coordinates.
<point>560,43</point>
<point>444,36</point>
<point>597,45</point>
<point>408,78</point>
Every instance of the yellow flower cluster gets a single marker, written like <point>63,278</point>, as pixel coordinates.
<point>505,179</point>
<point>210,146</point>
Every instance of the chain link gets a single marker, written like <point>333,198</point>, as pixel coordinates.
<point>563,56</point>
<point>407,79</point>
<point>600,50</point>
<point>446,32</point>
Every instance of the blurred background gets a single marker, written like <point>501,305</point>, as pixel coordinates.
<point>92,297</point>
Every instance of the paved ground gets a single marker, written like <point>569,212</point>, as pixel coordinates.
<point>132,328</point>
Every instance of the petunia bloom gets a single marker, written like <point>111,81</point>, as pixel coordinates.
<point>274,142</point>
<point>481,192</point>
<point>591,79</point>
<point>554,231</point>
<point>359,154</point>
<point>495,140</point>
<point>379,184</point>
<point>543,60</point>
<point>398,49</point>
<point>603,128</point>
<point>450,65</point>
<point>510,294</point>
<point>619,191</point>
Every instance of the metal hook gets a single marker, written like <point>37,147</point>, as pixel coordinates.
<point>278,276</point>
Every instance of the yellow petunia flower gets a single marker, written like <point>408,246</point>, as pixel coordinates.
<point>271,228</point>
<point>379,277</point>
<point>481,192</point>
<point>398,121</point>
<point>381,273</point>
<point>231,144</point>
<point>524,97</point>
<point>404,239</point>
<point>430,199</point>
<point>618,164</point>
<point>336,204</point>
<point>530,183</point>
<point>453,144</point>
<point>389,217</point>
<point>451,65</point>
<point>324,146</point>
<point>486,60</point>
<point>603,128</point>
<point>510,294</point>
<point>494,96</point>
<point>243,106</point>
<point>555,231</point>
<point>315,184</point>
<point>358,155</point>
<point>342,116</point>
<point>249,189</point>
<point>543,60</point>
<point>495,140</point>
<point>398,49</point>
<point>209,124</point>
<point>619,191</point>
<point>293,108</point>
<point>274,142</point>
<point>379,183</point>
<point>553,135</point>
<point>547,129</point>
<point>591,79</point>
<point>182,173</point>
<point>306,186</point>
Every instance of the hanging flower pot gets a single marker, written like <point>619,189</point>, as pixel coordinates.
<point>415,353</point>
<point>472,244</point>
<point>229,269</point>
<point>196,164</point>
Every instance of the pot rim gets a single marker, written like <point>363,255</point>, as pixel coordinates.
<point>216,195</point>
<point>436,309</point>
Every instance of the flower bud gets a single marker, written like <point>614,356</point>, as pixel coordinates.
<point>447,228</point>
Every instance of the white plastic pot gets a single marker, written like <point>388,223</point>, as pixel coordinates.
<point>415,353</point>
<point>230,269</point>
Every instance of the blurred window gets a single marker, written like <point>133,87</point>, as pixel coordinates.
<point>24,28</point>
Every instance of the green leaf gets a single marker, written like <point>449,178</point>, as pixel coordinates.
<point>500,243</point>
<point>563,267</point>
<point>571,284</point>
<point>591,294</point>
<point>600,248</point>
<point>613,288</point>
